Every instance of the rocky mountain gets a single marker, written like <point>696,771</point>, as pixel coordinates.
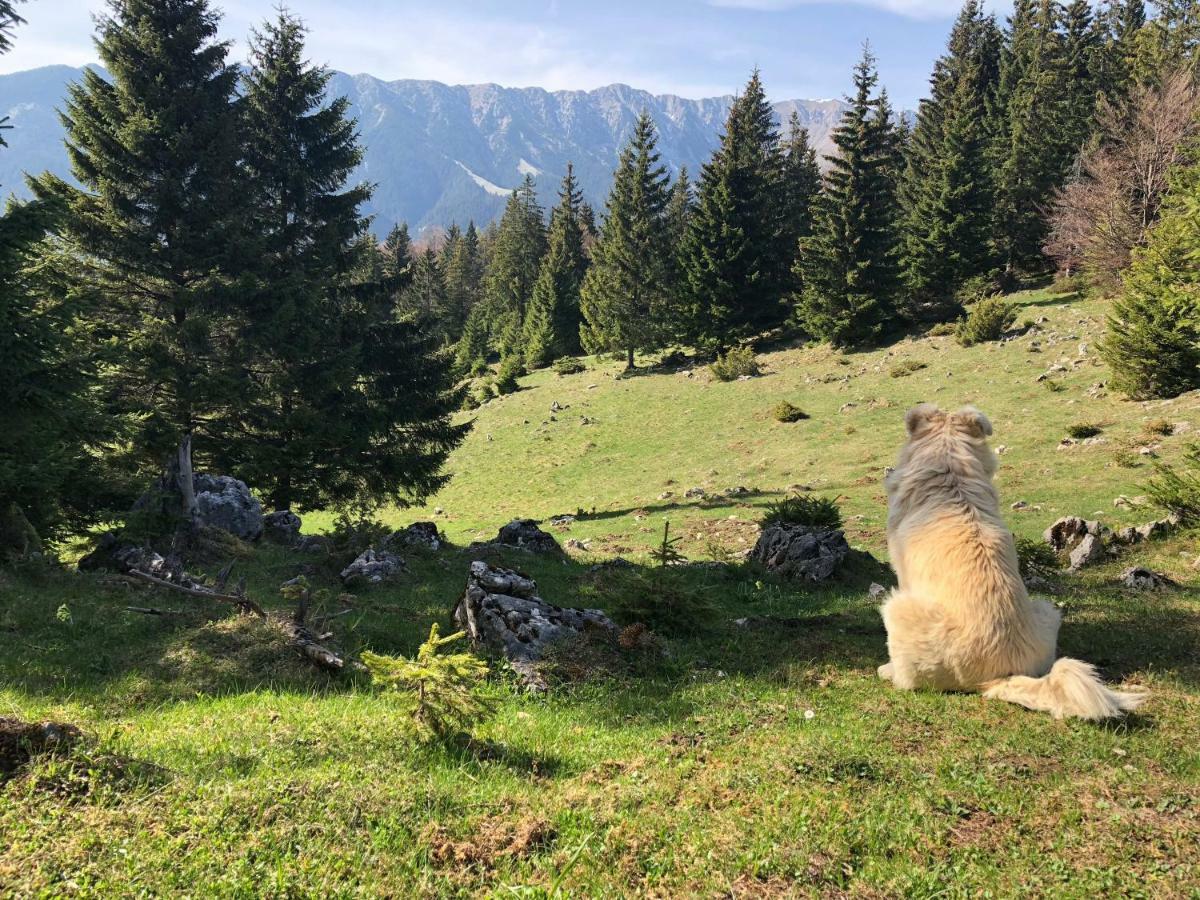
<point>439,153</point>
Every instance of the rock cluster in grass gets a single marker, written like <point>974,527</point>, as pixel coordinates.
<point>1139,579</point>
<point>226,503</point>
<point>373,567</point>
<point>521,534</point>
<point>417,536</point>
<point>282,527</point>
<point>801,552</point>
<point>502,613</point>
<point>1088,541</point>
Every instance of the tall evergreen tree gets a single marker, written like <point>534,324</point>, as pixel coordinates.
<point>847,267</point>
<point>397,249</point>
<point>800,182</point>
<point>625,298</point>
<point>946,192</point>
<point>1168,42</point>
<point>463,270</point>
<point>345,404</point>
<point>1032,151</point>
<point>734,262</point>
<point>9,19</point>
<point>425,295</point>
<point>513,269</point>
<point>155,220</point>
<point>553,319</point>
<point>1083,51</point>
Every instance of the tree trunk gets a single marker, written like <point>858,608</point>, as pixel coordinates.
<point>629,364</point>
<point>183,478</point>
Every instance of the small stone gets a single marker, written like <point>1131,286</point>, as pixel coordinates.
<point>876,590</point>
<point>845,407</point>
<point>282,527</point>
<point>1090,550</point>
<point>1139,579</point>
<point>1020,504</point>
<point>695,493</point>
<point>373,567</point>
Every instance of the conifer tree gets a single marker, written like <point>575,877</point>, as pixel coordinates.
<point>154,223</point>
<point>1082,49</point>
<point>463,270</point>
<point>847,267</point>
<point>681,205</point>
<point>1153,340</point>
<point>734,262</point>
<point>1117,26</point>
<point>553,320</point>
<point>516,257</point>
<point>345,403</point>
<point>1032,150</point>
<point>625,296</point>
<point>9,19</point>
<point>425,296</point>
<point>397,249</point>
<point>1169,42</point>
<point>800,182</point>
<point>946,193</point>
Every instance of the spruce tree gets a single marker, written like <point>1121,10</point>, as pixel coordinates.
<point>344,403</point>
<point>397,249</point>
<point>1153,340</point>
<point>425,296</point>
<point>155,222</point>
<point>516,257</point>
<point>847,267</point>
<point>946,192</point>
<point>800,182</point>
<point>735,263</point>
<point>625,298</point>
<point>1117,26</point>
<point>1083,50</point>
<point>553,319</point>
<point>463,271</point>
<point>1032,149</point>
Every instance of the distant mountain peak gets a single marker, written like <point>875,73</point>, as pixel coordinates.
<point>441,153</point>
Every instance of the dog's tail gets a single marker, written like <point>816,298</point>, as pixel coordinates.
<point>1070,688</point>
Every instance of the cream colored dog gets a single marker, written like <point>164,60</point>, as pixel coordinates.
<point>960,619</point>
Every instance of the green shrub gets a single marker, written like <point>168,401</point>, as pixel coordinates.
<point>568,365</point>
<point>804,509</point>
<point>987,320</point>
<point>1159,428</point>
<point>786,412</point>
<point>942,329</point>
<point>668,600</point>
<point>354,531</point>
<point>976,288</point>
<point>737,363</point>
<point>441,691</point>
<point>1177,489</point>
<point>506,378</point>
<point>1083,430</point>
<point>1054,387</point>
<point>1036,559</point>
<point>906,368</point>
<point>1126,458</point>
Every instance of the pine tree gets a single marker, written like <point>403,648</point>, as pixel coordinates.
<point>946,192</point>
<point>1169,42</point>
<point>800,182</point>
<point>553,319</point>
<point>1083,50</point>
<point>397,249</point>
<point>425,296</point>
<point>463,270</point>
<point>8,21</point>
<point>734,262</point>
<point>1153,340</point>
<point>1032,152</point>
<point>345,403</point>
<point>516,257</point>
<point>847,267</point>
<point>1117,24</point>
<point>155,223</point>
<point>625,296</point>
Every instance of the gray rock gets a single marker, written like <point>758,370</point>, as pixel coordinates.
<point>418,535</point>
<point>1139,579</point>
<point>1070,530</point>
<point>313,543</point>
<point>502,613</point>
<point>524,534</point>
<point>695,493</point>
<point>282,527</point>
<point>801,552</point>
<point>226,503</point>
<point>373,567</point>
<point>564,521</point>
<point>1089,550</point>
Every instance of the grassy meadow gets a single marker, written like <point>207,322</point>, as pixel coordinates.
<point>759,758</point>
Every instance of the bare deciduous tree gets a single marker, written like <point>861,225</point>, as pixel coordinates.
<point>1101,215</point>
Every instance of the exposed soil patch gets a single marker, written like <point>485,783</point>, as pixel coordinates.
<point>493,840</point>
<point>21,741</point>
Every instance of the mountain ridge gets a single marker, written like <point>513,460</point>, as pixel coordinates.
<point>440,153</point>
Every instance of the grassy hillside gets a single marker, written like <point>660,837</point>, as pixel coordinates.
<point>759,759</point>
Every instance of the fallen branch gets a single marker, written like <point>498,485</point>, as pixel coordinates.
<point>242,602</point>
<point>152,611</point>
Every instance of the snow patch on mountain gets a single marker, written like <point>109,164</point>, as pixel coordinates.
<point>494,189</point>
<point>528,168</point>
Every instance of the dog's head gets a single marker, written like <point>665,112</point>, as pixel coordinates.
<point>939,441</point>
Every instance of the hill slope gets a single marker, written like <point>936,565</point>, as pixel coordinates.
<point>440,153</point>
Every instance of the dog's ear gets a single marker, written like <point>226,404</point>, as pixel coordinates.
<point>919,417</point>
<point>973,422</point>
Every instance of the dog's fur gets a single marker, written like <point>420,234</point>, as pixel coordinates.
<point>960,619</point>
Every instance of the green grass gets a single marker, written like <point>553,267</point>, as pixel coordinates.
<point>762,759</point>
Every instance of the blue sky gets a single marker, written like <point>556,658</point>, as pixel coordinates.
<point>694,48</point>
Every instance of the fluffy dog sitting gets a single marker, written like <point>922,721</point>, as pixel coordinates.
<point>960,619</point>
